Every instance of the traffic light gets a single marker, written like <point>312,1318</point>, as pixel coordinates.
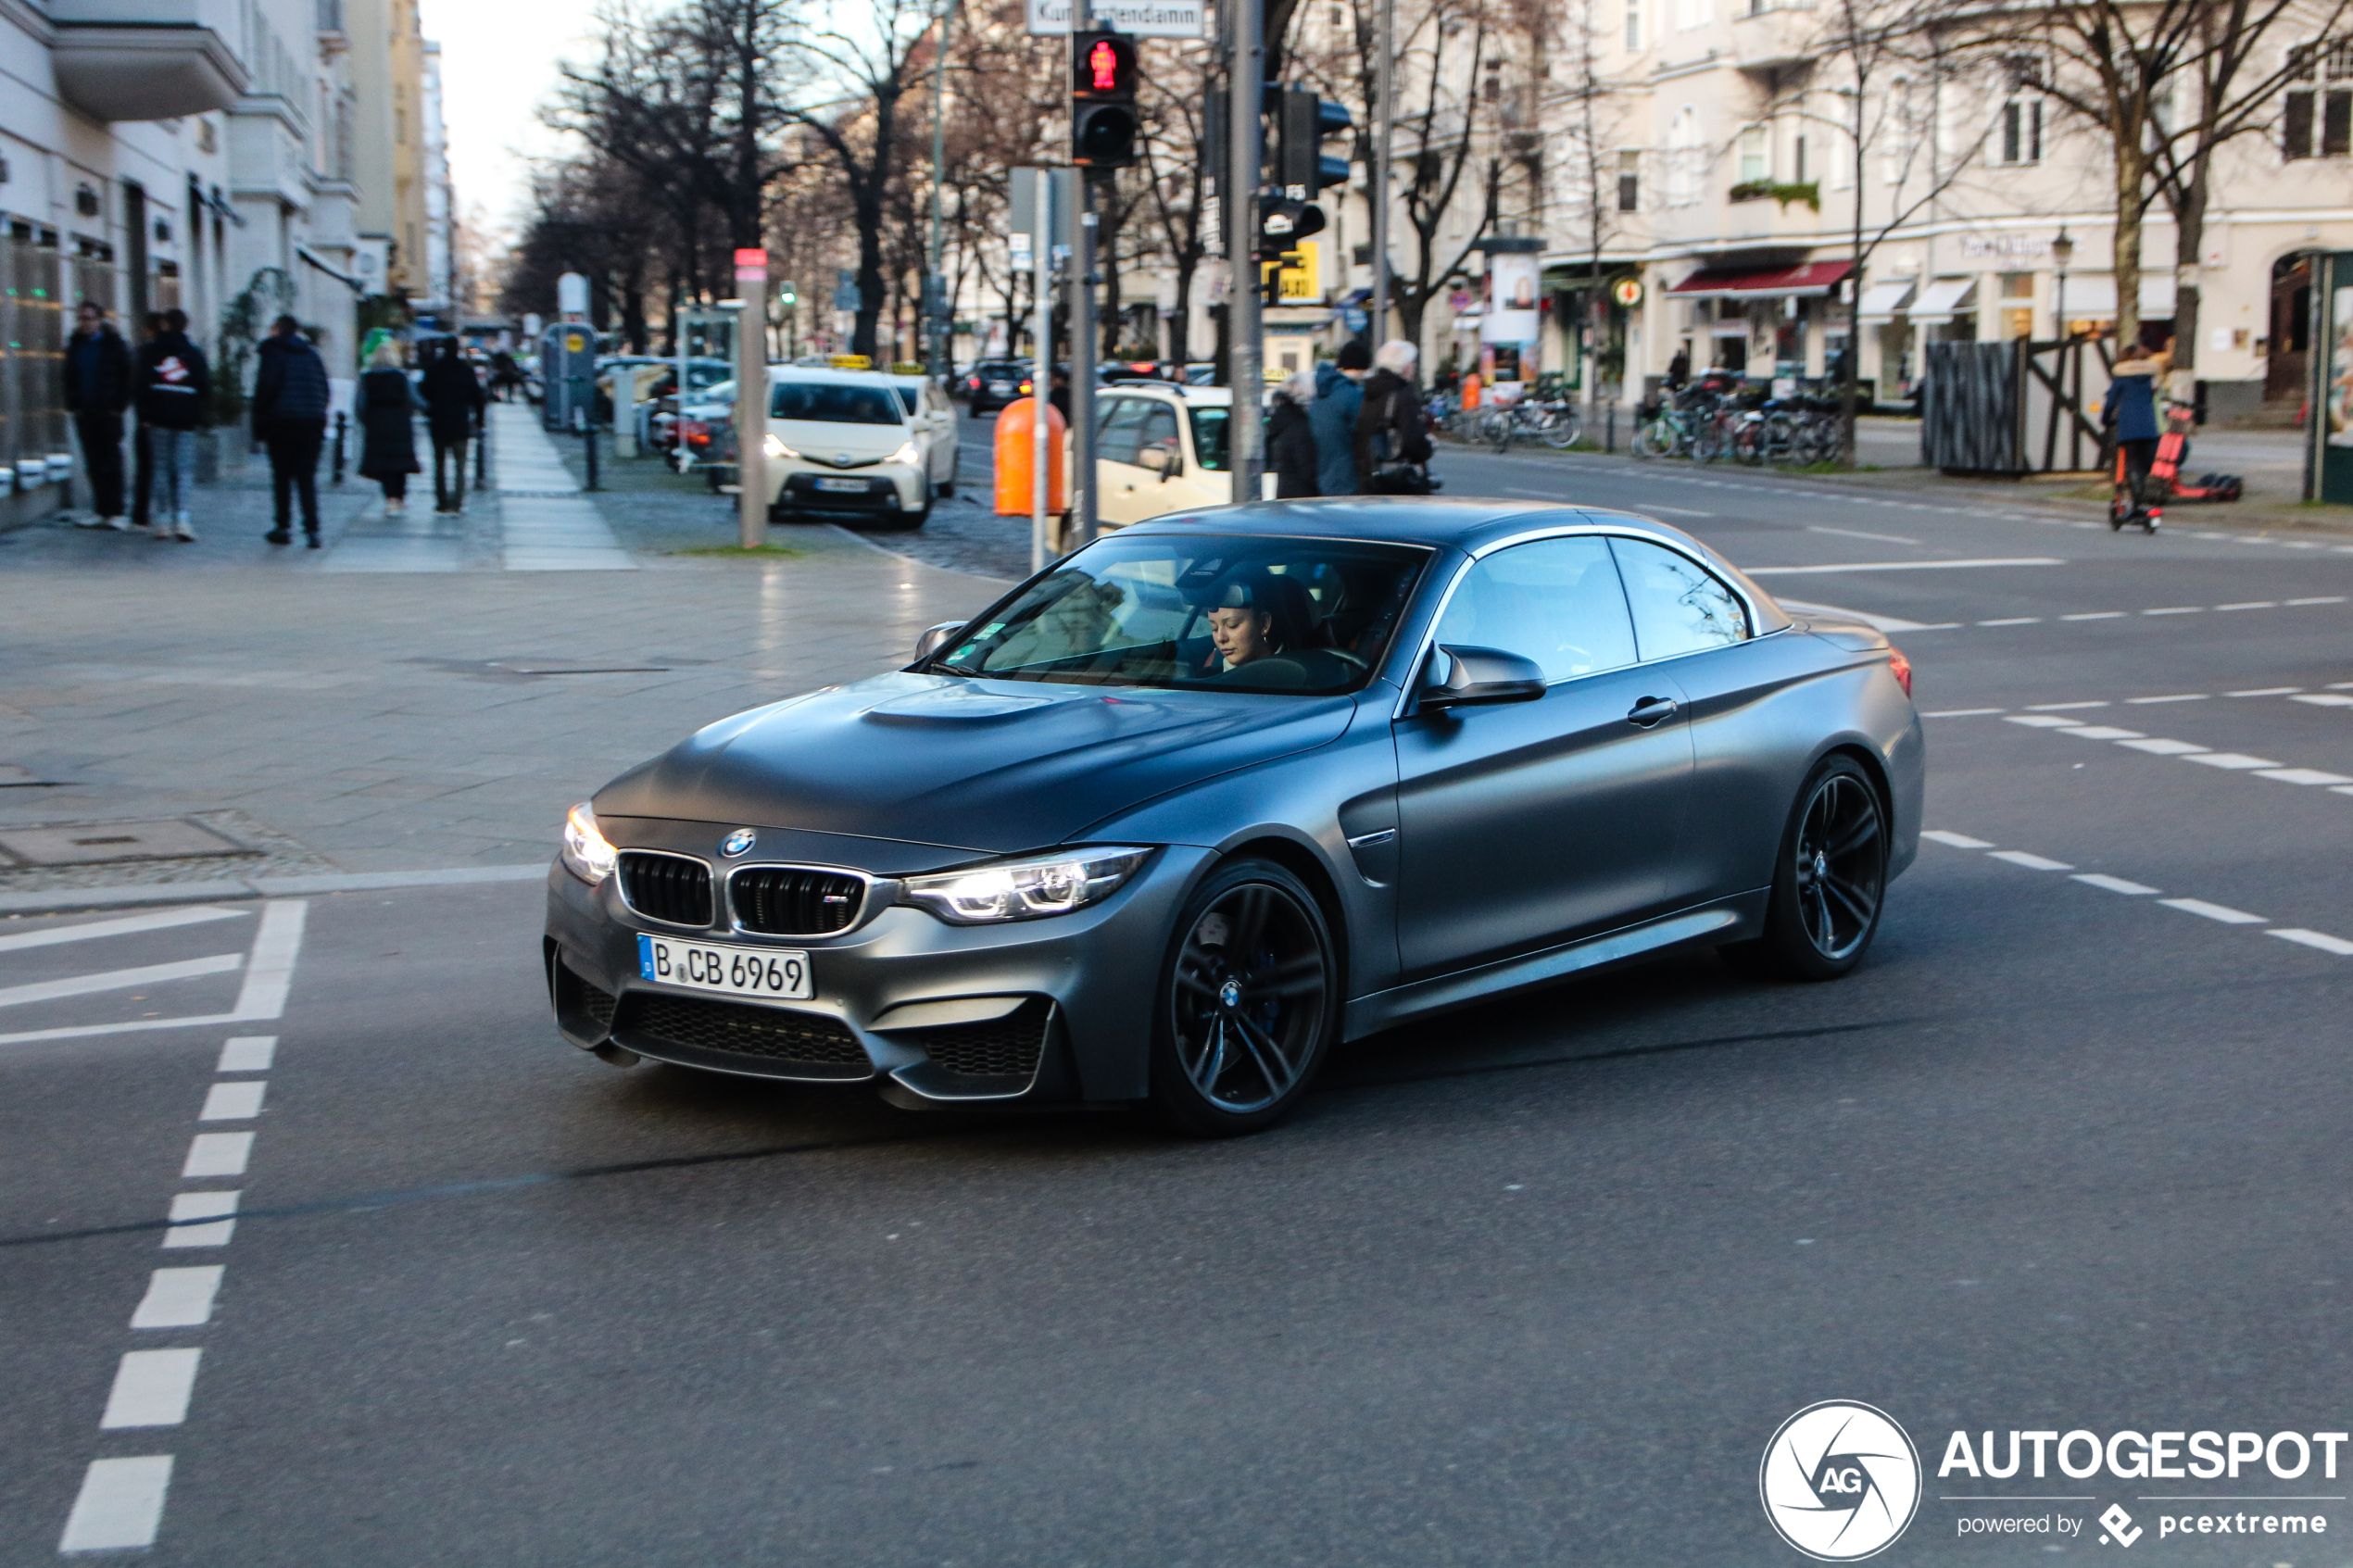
<point>1304,124</point>
<point>789,296</point>
<point>1281,221</point>
<point>1102,100</point>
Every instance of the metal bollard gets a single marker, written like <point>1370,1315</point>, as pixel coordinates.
<point>342,422</point>
<point>1612,446</point>
<point>589,435</point>
<point>482,454</point>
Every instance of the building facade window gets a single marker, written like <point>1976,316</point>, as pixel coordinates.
<point>1630,182</point>
<point>1756,165</point>
<point>1683,157</point>
<point>2317,111</point>
<point>1633,26</point>
<point>2023,130</point>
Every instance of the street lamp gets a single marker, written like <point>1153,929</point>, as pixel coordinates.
<point>2062,252</point>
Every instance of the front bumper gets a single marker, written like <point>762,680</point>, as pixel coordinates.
<point>1042,1011</point>
<point>882,487</point>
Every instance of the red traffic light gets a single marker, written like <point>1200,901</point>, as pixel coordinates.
<point>1103,67</point>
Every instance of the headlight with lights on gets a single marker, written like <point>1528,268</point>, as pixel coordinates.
<point>906,453</point>
<point>586,853</point>
<point>1025,889</point>
<point>776,448</point>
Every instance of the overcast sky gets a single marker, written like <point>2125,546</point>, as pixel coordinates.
<point>498,64</point>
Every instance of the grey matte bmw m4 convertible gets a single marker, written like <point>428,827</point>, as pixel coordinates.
<point>1220,792</point>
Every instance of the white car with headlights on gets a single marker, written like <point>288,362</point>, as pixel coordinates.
<point>842,441</point>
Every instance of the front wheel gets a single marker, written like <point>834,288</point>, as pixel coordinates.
<point>1249,1003</point>
<point>1654,440</point>
<point>1829,881</point>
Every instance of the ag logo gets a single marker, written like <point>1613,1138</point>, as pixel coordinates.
<point>1840,1481</point>
<point>738,843</point>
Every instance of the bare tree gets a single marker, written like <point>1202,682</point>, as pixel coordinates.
<point>1446,52</point>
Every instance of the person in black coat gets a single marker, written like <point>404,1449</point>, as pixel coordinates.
<point>290,417</point>
<point>174,382</point>
<point>97,391</point>
<point>453,407</point>
<point>1291,438</point>
<point>388,407</point>
<point>1389,428</point>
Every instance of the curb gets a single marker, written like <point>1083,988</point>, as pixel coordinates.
<point>67,900</point>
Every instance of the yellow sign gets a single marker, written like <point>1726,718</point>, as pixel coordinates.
<point>850,362</point>
<point>1299,275</point>
<point>1628,291</point>
<point>574,343</point>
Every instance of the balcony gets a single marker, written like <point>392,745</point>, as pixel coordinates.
<point>1771,37</point>
<point>143,60</point>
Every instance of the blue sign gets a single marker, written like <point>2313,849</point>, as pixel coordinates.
<point>1354,318</point>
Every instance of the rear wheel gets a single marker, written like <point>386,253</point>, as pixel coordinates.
<point>1249,1005</point>
<point>1829,881</point>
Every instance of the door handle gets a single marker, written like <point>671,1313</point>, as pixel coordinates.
<point>1652,712</point>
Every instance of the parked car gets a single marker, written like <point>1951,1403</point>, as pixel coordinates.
<point>842,441</point>
<point>1160,448</point>
<point>706,434</point>
<point>992,384</point>
<point>934,417</point>
<point>1216,795</point>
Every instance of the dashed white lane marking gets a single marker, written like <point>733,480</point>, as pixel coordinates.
<point>202,1219</point>
<point>1681,511</point>
<point>238,1100</point>
<point>120,1506</point>
<point>118,979</point>
<point>1959,712</point>
<point>2177,697</point>
<point>2177,609</point>
<point>2159,746</point>
<point>163,920</point>
<point>2041,721</point>
<point>2060,706</point>
<point>2095,615</point>
<point>2223,913</point>
<point>1858,534</point>
<point>2265,691</point>
<point>2251,604</point>
<point>1901,566</point>
<point>2114,883</point>
<point>2321,940</point>
<point>218,1154</point>
<point>2014,620</point>
<point>2103,732</point>
<point>151,1388</point>
<point>247,1053</point>
<point>2307,777</point>
<point>178,1298</point>
<point>2235,760</point>
<point>2324,699</point>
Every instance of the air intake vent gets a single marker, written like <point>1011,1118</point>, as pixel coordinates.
<point>768,1034</point>
<point>667,888</point>
<point>788,901</point>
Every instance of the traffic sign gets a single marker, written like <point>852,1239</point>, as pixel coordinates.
<point>1628,291</point>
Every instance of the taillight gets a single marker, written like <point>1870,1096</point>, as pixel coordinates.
<point>1901,668</point>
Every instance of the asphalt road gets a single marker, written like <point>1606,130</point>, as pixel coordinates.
<point>1532,1284</point>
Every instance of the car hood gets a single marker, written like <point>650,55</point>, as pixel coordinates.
<point>840,443</point>
<point>994,767</point>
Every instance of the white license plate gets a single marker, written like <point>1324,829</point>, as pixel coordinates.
<point>778,973</point>
<point>1001,386</point>
<point>842,486</point>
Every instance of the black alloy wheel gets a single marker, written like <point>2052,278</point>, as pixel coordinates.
<point>1829,883</point>
<point>1249,1003</point>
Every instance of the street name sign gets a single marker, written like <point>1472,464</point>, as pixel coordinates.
<point>1145,18</point>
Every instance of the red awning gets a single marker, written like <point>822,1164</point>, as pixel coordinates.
<point>1812,279</point>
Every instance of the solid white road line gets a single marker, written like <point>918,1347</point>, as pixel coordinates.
<point>2325,942</point>
<point>236,1100</point>
<point>247,1053</point>
<point>218,1154</point>
<point>151,1388</point>
<point>217,1212</point>
<point>162,920</point>
<point>271,971</point>
<point>118,979</point>
<point>120,1506</point>
<point>2223,913</point>
<point>2032,862</point>
<point>1957,840</point>
<point>1901,566</point>
<point>178,1298</point>
<point>2113,883</point>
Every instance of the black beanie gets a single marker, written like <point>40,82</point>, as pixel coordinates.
<point>1354,356</point>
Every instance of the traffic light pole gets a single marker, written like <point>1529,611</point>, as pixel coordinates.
<point>937,334</point>
<point>1082,367</point>
<point>1245,76</point>
<point>1384,47</point>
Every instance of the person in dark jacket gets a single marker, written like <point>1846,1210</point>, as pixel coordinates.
<point>290,417</point>
<point>174,381</point>
<point>1339,395</point>
<point>453,406</point>
<point>97,391</point>
<point>2131,407</point>
<point>388,407</point>
<point>1390,427</point>
<point>1291,439</point>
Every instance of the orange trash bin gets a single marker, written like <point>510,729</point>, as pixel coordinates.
<point>1016,453</point>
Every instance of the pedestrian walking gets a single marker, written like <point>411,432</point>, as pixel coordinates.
<point>506,376</point>
<point>174,381</point>
<point>453,407</point>
<point>1679,369</point>
<point>142,476</point>
<point>290,417</point>
<point>388,407</point>
<point>1291,438</point>
<point>1392,443</point>
<point>97,391</point>
<point>1340,394</point>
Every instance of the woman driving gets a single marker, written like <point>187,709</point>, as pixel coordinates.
<point>1256,617</point>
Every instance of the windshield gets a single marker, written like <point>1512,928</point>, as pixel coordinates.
<point>908,394</point>
<point>1175,610</point>
<point>832,403</point>
<point>1209,437</point>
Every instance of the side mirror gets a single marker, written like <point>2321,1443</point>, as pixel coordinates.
<point>1465,677</point>
<point>1157,460</point>
<point>935,638</point>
